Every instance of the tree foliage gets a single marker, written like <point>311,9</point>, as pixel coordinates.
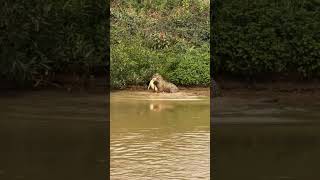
<point>263,37</point>
<point>168,37</point>
<point>43,37</point>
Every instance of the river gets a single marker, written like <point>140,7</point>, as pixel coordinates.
<point>256,138</point>
<point>50,135</point>
<point>159,137</point>
<point>58,135</point>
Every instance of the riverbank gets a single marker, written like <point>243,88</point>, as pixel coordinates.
<point>182,93</point>
<point>291,92</point>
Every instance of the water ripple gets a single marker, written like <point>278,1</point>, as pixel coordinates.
<point>180,156</point>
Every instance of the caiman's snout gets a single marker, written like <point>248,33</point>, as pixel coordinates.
<point>152,85</point>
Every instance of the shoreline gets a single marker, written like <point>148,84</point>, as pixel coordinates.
<point>274,86</point>
<point>228,88</point>
<point>280,92</point>
<point>183,91</point>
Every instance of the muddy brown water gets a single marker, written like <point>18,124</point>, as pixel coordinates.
<point>53,135</point>
<point>257,139</point>
<point>57,135</point>
<point>159,136</point>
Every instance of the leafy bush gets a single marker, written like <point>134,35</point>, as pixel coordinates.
<point>193,68</point>
<point>38,38</point>
<point>132,64</point>
<point>167,37</point>
<point>254,38</point>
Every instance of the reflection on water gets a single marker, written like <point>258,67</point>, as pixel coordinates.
<point>159,139</point>
<point>265,141</point>
<point>53,135</point>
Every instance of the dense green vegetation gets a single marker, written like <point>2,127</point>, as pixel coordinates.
<point>168,37</point>
<point>42,38</point>
<point>266,37</point>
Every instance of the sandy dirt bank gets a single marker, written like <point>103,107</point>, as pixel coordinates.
<point>183,92</point>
